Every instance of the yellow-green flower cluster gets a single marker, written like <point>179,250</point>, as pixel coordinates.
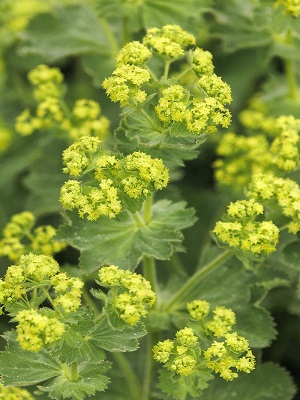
<point>126,82</point>
<point>284,148</point>
<point>78,156</point>
<point>19,237</point>
<point>14,393</point>
<point>84,119</point>
<point>176,105</point>
<point>291,7</point>
<point>40,272</point>
<point>218,323</point>
<point>35,330</point>
<point>170,41</point>
<point>229,357</point>
<point>201,61</point>
<point>136,176</point>
<point>68,292</point>
<point>133,53</point>
<point>241,232</point>
<point>179,355</point>
<point>285,192</point>
<point>133,294</point>
<point>241,157</point>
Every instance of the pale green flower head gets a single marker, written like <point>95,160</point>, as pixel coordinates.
<point>14,393</point>
<point>291,7</point>
<point>162,351</point>
<point>170,41</point>
<point>38,267</point>
<point>35,330</point>
<point>201,61</point>
<point>198,309</point>
<point>134,53</point>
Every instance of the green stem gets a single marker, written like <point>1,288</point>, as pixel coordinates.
<point>51,301</point>
<point>167,68</point>
<point>108,32</point>
<point>71,373</point>
<point>149,272</point>
<point>148,369</point>
<point>129,375</point>
<point>138,219</point>
<point>126,30</point>
<point>153,125</point>
<point>176,301</point>
<point>178,77</point>
<point>290,70</point>
<point>148,209</point>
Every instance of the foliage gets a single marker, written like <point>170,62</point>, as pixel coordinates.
<point>150,199</point>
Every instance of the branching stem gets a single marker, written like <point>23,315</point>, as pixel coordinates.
<point>176,301</point>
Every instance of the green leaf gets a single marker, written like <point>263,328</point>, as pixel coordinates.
<point>122,242</point>
<point>76,344</point>
<point>91,379</point>
<point>67,31</point>
<point>175,145</point>
<point>179,387</point>
<point>47,168</point>
<point>256,325</point>
<point>291,255</point>
<point>116,340</point>
<point>267,382</point>
<point>19,367</point>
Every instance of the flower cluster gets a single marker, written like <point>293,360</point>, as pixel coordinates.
<point>179,355</point>
<point>39,272</point>
<point>291,7</point>
<point>14,393</point>
<point>283,191</point>
<point>242,232</point>
<point>35,330</point>
<point>67,291</point>
<point>244,156</point>
<point>132,294</point>
<point>113,179</point>
<point>170,41</point>
<point>201,109</point>
<point>227,357</point>
<point>217,323</point>
<point>84,119</point>
<point>19,237</point>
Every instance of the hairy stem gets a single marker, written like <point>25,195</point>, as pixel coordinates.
<point>176,301</point>
<point>129,375</point>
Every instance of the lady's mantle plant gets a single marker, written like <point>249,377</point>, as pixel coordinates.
<point>190,333</point>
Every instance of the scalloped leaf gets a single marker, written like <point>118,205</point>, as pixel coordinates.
<point>178,387</point>
<point>121,242</point>
<point>267,382</point>
<point>91,381</point>
<point>46,34</point>
<point>174,146</point>
<point>116,340</point>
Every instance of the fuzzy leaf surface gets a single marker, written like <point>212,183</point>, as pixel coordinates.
<point>46,34</point>
<point>267,382</point>
<point>121,242</point>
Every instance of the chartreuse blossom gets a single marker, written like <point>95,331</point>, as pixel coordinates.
<point>20,237</point>
<point>291,7</point>
<point>244,156</point>
<point>35,330</point>
<point>170,41</point>
<point>113,178</point>
<point>226,357</point>
<point>132,294</point>
<point>283,191</point>
<point>201,109</point>
<point>24,288</point>
<point>241,231</point>
<point>52,112</point>
<point>14,393</point>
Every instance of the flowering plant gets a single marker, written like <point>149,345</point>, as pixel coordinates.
<point>102,294</point>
